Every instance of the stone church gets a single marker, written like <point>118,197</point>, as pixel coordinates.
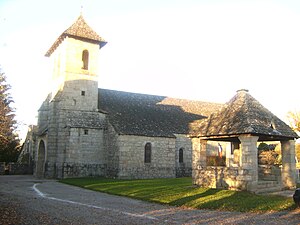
<point>84,130</point>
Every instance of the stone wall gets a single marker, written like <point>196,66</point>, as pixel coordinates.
<point>83,170</point>
<point>51,144</point>
<point>85,145</point>
<point>112,151</point>
<point>67,62</point>
<point>222,177</point>
<point>2,168</point>
<point>241,177</point>
<point>19,169</point>
<point>183,169</point>
<point>72,136</point>
<point>269,173</point>
<point>131,156</point>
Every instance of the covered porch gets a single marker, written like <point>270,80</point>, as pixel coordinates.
<point>242,170</point>
<point>241,124</point>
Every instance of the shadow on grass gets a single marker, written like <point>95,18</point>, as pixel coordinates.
<point>241,201</point>
<point>191,198</point>
<point>178,192</point>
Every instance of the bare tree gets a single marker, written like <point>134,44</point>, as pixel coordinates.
<point>294,120</point>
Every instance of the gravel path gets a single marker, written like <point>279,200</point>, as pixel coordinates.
<point>26,200</point>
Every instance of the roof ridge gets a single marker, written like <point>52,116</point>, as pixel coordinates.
<point>247,111</point>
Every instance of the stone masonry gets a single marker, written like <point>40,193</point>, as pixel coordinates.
<point>131,155</point>
<point>2,168</point>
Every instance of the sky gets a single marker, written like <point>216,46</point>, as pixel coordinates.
<point>193,49</point>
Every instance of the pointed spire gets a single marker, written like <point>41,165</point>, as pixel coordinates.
<point>79,29</point>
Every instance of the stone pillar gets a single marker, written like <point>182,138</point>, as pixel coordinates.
<point>228,155</point>
<point>198,159</point>
<point>203,146</point>
<point>248,172</point>
<point>288,172</point>
<point>195,158</point>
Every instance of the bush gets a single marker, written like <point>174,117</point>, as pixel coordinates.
<point>215,161</point>
<point>263,147</point>
<point>268,157</point>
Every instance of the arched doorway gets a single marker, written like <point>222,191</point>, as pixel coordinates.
<point>40,166</point>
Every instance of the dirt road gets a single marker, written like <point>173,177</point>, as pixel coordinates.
<point>26,200</point>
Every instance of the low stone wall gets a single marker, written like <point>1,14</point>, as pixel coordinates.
<point>146,172</point>
<point>183,171</point>
<point>19,169</point>
<point>269,173</point>
<point>83,170</point>
<point>232,178</point>
<point>2,168</point>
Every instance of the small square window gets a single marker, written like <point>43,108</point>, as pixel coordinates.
<point>82,93</point>
<point>86,132</point>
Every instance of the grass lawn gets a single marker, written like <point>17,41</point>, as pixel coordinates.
<point>180,192</point>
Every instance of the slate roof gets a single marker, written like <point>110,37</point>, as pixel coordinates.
<point>80,29</point>
<point>243,114</point>
<point>150,115</point>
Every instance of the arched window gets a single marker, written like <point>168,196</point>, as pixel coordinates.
<point>181,155</point>
<point>85,60</point>
<point>147,158</point>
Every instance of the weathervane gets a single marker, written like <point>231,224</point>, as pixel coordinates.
<point>81,7</point>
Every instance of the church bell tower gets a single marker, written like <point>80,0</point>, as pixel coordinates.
<point>70,125</point>
<point>75,74</point>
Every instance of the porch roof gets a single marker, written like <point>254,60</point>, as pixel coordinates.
<point>243,114</point>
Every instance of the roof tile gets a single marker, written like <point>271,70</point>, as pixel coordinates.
<point>150,115</point>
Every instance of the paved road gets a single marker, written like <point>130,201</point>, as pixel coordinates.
<point>26,200</point>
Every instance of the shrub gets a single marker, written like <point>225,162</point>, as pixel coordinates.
<point>215,161</point>
<point>267,157</point>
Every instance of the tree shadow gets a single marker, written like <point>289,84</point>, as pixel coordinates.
<point>239,201</point>
<point>188,199</point>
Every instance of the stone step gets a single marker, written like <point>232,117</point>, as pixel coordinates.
<point>268,187</point>
<point>268,178</point>
<point>266,184</point>
<point>269,190</point>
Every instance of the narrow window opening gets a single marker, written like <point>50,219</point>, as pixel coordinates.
<point>86,132</point>
<point>181,155</point>
<point>147,158</point>
<point>82,93</point>
<point>85,60</point>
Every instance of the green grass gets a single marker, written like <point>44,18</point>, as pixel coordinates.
<point>181,192</point>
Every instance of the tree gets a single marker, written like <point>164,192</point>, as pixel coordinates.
<point>9,142</point>
<point>294,120</point>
